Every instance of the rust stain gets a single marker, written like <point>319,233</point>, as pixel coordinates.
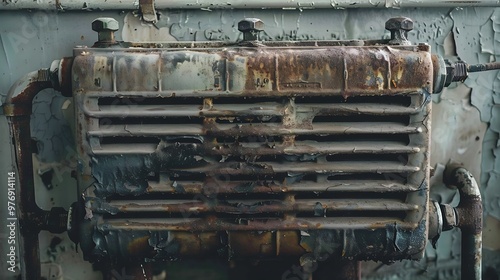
<point>249,169</point>
<point>140,246</point>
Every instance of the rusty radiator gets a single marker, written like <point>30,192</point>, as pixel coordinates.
<point>253,151</point>
<point>249,150</point>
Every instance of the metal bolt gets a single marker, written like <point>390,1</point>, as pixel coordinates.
<point>399,28</point>
<point>105,28</point>
<point>250,28</point>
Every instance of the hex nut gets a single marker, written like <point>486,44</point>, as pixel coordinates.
<point>251,24</point>
<point>449,217</point>
<point>399,23</point>
<point>105,24</point>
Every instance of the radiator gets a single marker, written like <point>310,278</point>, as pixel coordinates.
<point>249,150</point>
<point>271,150</point>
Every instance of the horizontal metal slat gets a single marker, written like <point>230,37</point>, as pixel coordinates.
<point>299,148</point>
<point>356,109</point>
<point>258,93</point>
<point>253,129</point>
<point>123,149</point>
<point>240,110</point>
<point>316,148</point>
<point>223,110</point>
<point>251,206</point>
<point>263,168</point>
<point>222,187</point>
<point>213,224</point>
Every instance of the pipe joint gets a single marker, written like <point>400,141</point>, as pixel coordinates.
<point>469,218</point>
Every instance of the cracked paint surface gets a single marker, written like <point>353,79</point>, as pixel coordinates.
<point>472,33</point>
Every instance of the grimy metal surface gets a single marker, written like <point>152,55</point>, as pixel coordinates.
<point>469,218</point>
<point>253,151</point>
<point>89,5</point>
<point>32,219</point>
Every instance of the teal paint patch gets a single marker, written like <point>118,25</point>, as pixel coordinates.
<point>486,91</point>
<point>433,26</point>
<point>485,24</point>
<point>51,129</point>
<point>482,99</point>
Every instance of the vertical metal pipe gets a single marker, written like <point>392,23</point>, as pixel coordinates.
<point>471,255</point>
<point>349,270</point>
<point>30,256</point>
<point>25,196</point>
<point>28,247</point>
<point>31,218</point>
<point>470,219</point>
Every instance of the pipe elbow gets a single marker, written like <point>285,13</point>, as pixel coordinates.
<point>470,208</point>
<point>457,176</point>
<point>469,218</point>
<point>21,94</point>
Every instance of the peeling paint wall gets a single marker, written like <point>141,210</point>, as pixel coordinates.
<point>466,117</point>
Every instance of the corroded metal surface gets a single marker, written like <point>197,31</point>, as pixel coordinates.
<point>282,71</point>
<point>230,147</point>
<point>32,219</point>
<point>469,217</point>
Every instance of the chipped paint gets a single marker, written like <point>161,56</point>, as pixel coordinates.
<point>454,110</point>
<point>475,32</point>
<point>485,90</point>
